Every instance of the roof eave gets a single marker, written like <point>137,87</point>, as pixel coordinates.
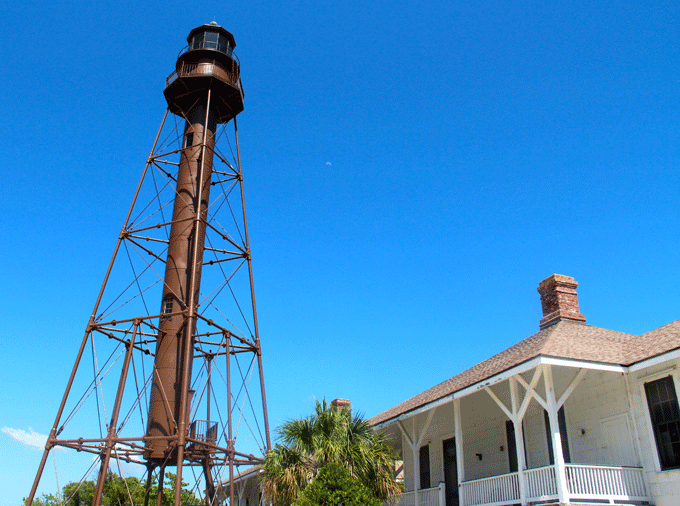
<point>655,360</point>
<point>502,376</point>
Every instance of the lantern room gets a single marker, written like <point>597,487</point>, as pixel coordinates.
<point>207,63</point>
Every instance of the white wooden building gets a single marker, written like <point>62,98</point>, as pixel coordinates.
<point>247,489</point>
<point>573,413</point>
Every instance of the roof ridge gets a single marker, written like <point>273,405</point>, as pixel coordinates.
<point>653,342</point>
<point>551,336</point>
<point>663,327</point>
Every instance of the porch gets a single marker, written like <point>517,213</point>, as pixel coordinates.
<point>584,483</point>
<point>551,431</point>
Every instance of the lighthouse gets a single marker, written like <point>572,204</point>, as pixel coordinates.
<point>205,89</point>
<point>183,385</point>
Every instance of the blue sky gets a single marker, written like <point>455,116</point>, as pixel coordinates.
<point>412,171</point>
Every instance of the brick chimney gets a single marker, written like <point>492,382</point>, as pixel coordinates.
<point>559,300</point>
<point>341,403</point>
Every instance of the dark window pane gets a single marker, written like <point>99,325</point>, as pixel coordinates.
<point>197,41</point>
<point>224,45</point>
<point>664,394</point>
<point>189,140</point>
<point>425,466</point>
<point>674,414</point>
<point>512,446</point>
<point>211,40</point>
<point>666,411</point>
<point>657,413</point>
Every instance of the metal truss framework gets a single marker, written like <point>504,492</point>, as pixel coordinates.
<point>123,329</point>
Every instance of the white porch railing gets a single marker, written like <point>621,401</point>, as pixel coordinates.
<point>495,490</point>
<point>541,483</point>
<point>426,497</point>
<point>614,483</point>
<point>584,482</point>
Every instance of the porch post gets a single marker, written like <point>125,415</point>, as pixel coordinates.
<point>458,433</point>
<point>638,451</point>
<point>519,442</point>
<point>241,489</point>
<point>415,442</point>
<point>560,470</point>
<point>416,464</point>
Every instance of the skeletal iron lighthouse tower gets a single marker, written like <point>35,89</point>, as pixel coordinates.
<point>180,385</point>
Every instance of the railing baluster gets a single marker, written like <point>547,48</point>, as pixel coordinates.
<point>571,479</point>
<point>537,483</point>
<point>592,475</point>
<point>607,480</point>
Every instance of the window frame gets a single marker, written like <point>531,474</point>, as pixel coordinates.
<point>662,376</point>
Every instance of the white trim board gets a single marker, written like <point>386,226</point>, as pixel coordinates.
<point>502,376</point>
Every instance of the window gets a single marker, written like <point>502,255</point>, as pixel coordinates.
<point>197,42</point>
<point>512,445</point>
<point>189,140</point>
<point>224,45</point>
<point>665,416</point>
<point>562,422</point>
<point>167,307</point>
<point>425,466</point>
<point>210,40</point>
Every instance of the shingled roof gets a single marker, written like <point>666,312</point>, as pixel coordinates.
<point>568,339</point>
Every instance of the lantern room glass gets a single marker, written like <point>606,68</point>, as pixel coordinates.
<point>211,40</point>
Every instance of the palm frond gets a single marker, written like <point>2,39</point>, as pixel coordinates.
<point>327,436</point>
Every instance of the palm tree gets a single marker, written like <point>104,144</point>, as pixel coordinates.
<point>329,435</point>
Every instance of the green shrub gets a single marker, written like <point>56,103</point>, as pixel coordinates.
<point>334,486</point>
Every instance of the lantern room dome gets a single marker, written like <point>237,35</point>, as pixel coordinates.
<point>211,36</point>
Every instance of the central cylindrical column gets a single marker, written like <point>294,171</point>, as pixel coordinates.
<point>187,235</point>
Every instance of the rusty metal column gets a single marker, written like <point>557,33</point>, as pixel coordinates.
<point>147,488</point>
<point>200,214</point>
<point>161,479</point>
<point>230,444</point>
<point>182,283</point>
